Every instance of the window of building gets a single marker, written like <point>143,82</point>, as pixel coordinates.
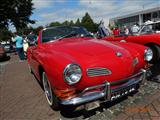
<point>146,17</point>
<point>155,15</point>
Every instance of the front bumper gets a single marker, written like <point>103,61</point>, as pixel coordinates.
<point>106,92</point>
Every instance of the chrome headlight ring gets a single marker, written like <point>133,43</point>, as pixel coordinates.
<point>72,73</point>
<point>148,54</point>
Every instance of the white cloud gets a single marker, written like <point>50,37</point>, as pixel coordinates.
<point>39,4</point>
<point>98,9</point>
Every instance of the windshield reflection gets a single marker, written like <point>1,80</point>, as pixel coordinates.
<point>58,33</point>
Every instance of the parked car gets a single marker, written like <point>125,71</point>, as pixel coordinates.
<point>76,69</point>
<point>146,37</point>
<point>149,28</point>
<point>2,53</point>
<point>9,47</point>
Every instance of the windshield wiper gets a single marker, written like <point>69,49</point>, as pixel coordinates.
<point>73,33</point>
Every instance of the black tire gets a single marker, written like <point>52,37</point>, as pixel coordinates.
<point>50,96</point>
<point>156,54</point>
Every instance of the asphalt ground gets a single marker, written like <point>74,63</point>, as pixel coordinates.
<point>22,98</point>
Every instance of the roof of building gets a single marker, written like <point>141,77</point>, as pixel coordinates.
<point>137,13</point>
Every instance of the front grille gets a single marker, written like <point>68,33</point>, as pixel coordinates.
<point>91,72</point>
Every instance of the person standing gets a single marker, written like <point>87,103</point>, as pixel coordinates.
<point>19,46</point>
<point>116,31</point>
<point>126,30</point>
<point>135,28</point>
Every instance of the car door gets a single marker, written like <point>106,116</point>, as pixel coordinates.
<point>34,59</point>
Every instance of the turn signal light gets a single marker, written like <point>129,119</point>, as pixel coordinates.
<point>65,94</point>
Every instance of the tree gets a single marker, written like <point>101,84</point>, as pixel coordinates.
<point>78,23</point>
<point>16,12</point>
<point>71,23</point>
<point>53,24</point>
<point>88,23</point>
<point>5,34</point>
<point>66,22</point>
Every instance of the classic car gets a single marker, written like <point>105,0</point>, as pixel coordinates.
<point>9,48</point>
<point>2,53</point>
<point>148,35</point>
<point>75,68</point>
<point>149,27</point>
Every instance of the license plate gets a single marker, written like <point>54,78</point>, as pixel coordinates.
<point>121,93</point>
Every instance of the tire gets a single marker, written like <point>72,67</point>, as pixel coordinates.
<point>156,54</point>
<point>51,98</point>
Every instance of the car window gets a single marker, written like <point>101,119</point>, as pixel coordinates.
<point>156,27</point>
<point>55,33</point>
<point>147,29</point>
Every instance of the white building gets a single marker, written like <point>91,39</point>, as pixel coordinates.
<point>137,17</point>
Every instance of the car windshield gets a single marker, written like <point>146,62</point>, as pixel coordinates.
<point>51,34</point>
<point>150,28</point>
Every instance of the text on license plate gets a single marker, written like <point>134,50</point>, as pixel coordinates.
<point>122,93</point>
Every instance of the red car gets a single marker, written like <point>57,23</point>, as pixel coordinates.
<point>76,68</point>
<point>147,36</point>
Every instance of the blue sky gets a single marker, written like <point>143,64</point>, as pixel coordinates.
<point>47,11</point>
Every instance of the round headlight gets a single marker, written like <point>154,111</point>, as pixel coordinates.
<point>72,74</point>
<point>148,54</point>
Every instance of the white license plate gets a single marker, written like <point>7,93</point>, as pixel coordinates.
<point>122,93</point>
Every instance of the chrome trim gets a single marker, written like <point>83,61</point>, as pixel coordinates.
<point>118,54</point>
<point>106,92</point>
<point>92,72</point>
<point>145,54</point>
<point>65,70</point>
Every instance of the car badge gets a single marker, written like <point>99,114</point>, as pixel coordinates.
<point>119,54</point>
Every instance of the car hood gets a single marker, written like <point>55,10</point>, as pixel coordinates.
<point>93,53</point>
<point>80,48</point>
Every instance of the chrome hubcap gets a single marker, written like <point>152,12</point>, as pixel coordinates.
<point>47,89</point>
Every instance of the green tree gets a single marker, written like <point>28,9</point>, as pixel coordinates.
<point>88,23</point>
<point>5,34</point>
<point>71,23</point>
<point>53,24</point>
<point>66,22</point>
<point>78,23</point>
<point>16,12</point>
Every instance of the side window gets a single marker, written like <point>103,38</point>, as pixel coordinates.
<point>147,29</point>
<point>157,27</point>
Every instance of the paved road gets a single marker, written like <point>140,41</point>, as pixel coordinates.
<point>21,98</point>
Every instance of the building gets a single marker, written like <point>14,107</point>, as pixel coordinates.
<point>137,17</point>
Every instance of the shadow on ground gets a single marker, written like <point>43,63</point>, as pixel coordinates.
<point>5,59</point>
<point>154,73</point>
<point>69,113</point>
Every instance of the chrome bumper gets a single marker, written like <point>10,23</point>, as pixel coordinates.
<point>106,92</point>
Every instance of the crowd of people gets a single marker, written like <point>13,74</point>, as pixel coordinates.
<point>22,42</point>
<point>102,31</point>
<point>126,30</point>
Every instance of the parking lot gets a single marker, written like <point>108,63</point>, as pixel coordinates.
<point>21,98</point>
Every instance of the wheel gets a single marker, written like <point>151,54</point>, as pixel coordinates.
<point>51,98</point>
<point>156,54</point>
